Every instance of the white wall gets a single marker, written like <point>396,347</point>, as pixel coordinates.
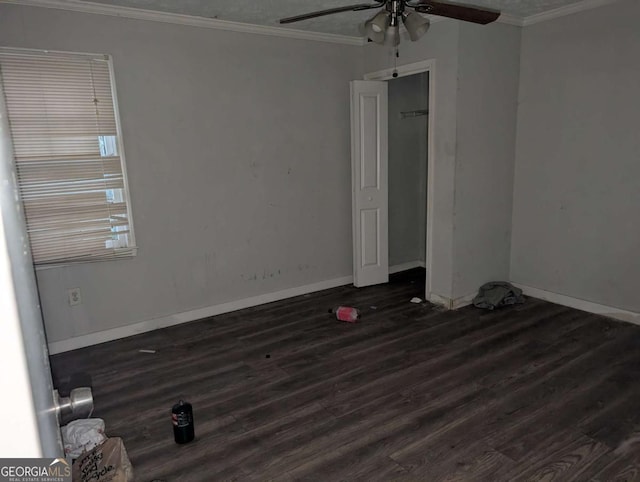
<point>238,158</point>
<point>577,188</point>
<point>488,75</point>
<point>407,169</point>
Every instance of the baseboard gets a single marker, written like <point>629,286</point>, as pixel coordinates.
<point>463,301</point>
<point>187,316</point>
<point>441,301</point>
<point>397,268</point>
<point>609,311</point>
<point>452,303</point>
<point>200,313</point>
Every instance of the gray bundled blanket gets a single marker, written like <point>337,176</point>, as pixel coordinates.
<point>496,294</point>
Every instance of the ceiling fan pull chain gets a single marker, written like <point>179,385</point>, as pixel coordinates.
<point>395,63</point>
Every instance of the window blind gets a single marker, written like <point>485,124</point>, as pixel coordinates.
<point>63,126</point>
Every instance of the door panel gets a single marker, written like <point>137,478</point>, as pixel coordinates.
<point>369,171</point>
<point>371,245</point>
<point>25,383</point>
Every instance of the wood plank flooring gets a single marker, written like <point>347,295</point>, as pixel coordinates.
<point>412,392</point>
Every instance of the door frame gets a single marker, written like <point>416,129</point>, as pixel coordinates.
<point>402,71</point>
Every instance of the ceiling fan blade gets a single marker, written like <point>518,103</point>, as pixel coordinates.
<point>451,10</point>
<point>329,11</point>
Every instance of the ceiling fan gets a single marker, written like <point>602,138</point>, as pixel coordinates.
<point>384,26</point>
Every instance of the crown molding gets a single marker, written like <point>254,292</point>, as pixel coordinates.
<point>180,19</point>
<point>509,19</point>
<point>566,10</point>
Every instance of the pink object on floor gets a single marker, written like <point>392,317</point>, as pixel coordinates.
<point>347,313</point>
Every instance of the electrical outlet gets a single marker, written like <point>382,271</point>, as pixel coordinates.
<point>75,297</point>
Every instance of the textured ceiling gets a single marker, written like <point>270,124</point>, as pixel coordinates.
<point>267,12</point>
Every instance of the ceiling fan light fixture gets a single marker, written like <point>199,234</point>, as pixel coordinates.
<point>376,27</point>
<point>393,36</point>
<point>416,25</point>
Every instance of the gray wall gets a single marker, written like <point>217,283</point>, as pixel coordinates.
<point>488,75</point>
<point>407,169</point>
<point>240,173</point>
<point>238,158</point>
<point>577,181</point>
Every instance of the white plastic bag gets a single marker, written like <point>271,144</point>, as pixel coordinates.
<point>82,435</point>
<point>106,462</point>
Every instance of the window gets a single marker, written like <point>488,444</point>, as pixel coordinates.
<point>68,153</point>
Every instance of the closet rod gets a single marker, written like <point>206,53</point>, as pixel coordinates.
<point>414,113</point>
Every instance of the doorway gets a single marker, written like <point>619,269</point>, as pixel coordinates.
<point>428,95</point>
<point>408,127</point>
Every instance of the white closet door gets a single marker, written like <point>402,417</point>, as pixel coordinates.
<point>369,171</point>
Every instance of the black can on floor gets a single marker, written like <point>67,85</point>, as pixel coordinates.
<point>182,419</point>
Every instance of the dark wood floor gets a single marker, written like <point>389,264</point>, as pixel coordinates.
<point>285,392</point>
